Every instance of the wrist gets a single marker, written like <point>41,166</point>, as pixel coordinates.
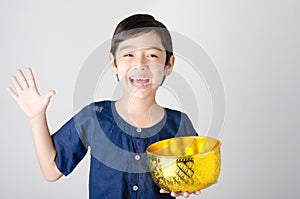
<point>37,117</point>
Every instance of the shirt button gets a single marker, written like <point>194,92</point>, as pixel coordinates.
<point>137,157</point>
<point>139,130</point>
<point>135,188</point>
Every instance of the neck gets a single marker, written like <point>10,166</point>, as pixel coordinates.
<point>136,105</point>
<point>139,112</point>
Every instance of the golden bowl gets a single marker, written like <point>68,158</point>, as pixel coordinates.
<point>185,163</point>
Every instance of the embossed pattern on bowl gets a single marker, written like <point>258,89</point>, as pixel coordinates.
<point>185,163</point>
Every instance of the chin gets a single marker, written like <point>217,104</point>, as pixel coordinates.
<point>142,93</point>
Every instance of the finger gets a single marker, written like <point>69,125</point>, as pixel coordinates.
<point>23,79</point>
<point>12,93</point>
<point>186,194</point>
<point>164,191</point>
<point>16,84</point>
<point>48,96</point>
<point>197,192</point>
<point>174,194</point>
<point>31,80</point>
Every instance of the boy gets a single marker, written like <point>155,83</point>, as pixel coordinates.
<point>117,132</point>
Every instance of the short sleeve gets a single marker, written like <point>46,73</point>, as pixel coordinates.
<point>186,127</point>
<point>69,147</point>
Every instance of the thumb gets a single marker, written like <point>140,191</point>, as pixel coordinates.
<point>48,96</point>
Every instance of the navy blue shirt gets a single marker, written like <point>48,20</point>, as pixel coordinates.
<point>119,165</point>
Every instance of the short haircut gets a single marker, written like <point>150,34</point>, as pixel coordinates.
<point>141,23</point>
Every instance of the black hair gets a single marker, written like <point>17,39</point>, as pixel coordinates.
<point>138,24</point>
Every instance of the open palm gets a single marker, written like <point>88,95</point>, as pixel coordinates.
<point>27,95</point>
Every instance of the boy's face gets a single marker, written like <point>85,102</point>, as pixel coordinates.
<point>140,64</point>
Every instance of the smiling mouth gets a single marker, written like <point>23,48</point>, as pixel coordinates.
<point>139,81</point>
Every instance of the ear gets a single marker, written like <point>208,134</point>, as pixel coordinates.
<point>113,66</point>
<point>169,67</point>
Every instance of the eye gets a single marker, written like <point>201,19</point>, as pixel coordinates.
<point>128,55</point>
<point>152,56</point>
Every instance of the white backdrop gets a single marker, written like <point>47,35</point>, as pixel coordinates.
<point>255,46</point>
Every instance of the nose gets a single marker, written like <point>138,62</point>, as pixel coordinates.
<point>140,67</point>
<point>140,63</point>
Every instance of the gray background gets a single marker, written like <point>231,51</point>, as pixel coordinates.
<point>254,45</point>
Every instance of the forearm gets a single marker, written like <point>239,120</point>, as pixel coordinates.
<point>44,147</point>
<point>34,106</point>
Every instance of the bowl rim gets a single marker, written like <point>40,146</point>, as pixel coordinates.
<point>214,148</point>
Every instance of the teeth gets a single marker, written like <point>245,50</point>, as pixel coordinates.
<point>139,78</point>
<point>140,81</point>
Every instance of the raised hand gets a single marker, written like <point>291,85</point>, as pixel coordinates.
<point>27,95</point>
<point>34,106</point>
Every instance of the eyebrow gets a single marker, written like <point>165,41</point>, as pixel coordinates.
<point>133,47</point>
